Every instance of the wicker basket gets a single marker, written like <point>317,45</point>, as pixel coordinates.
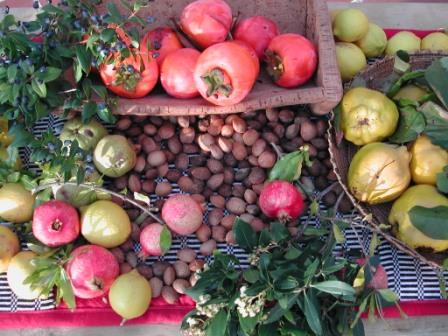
<point>342,151</point>
<point>307,17</point>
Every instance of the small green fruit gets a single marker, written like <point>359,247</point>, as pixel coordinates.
<point>406,41</point>
<point>374,42</point>
<point>350,58</point>
<point>435,41</point>
<point>130,295</point>
<point>350,25</point>
<point>106,224</point>
<point>87,135</point>
<point>114,156</point>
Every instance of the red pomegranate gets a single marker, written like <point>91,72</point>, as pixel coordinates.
<point>182,214</point>
<point>155,240</point>
<point>281,200</point>
<point>55,223</point>
<point>92,269</point>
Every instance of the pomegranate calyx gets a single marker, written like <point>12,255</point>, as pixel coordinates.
<point>275,65</point>
<point>56,225</point>
<point>97,284</point>
<point>215,81</point>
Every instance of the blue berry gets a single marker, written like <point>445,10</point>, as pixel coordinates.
<point>150,19</point>
<point>156,55</point>
<point>51,147</point>
<point>77,24</point>
<point>130,68</point>
<point>84,13</point>
<point>103,53</point>
<point>101,106</point>
<point>67,143</point>
<point>89,158</point>
<point>35,4</point>
<point>17,81</point>
<point>120,45</point>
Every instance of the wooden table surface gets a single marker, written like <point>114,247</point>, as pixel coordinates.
<point>412,14</point>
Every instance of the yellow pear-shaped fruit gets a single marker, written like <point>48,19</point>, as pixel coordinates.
<point>427,161</point>
<point>404,40</point>
<point>379,173</point>
<point>435,41</point>
<point>422,195</point>
<point>16,203</point>
<point>411,92</point>
<point>367,116</point>
<point>374,42</point>
<point>350,58</point>
<point>350,25</point>
<point>9,247</point>
<point>130,295</point>
<point>106,224</point>
<point>20,268</point>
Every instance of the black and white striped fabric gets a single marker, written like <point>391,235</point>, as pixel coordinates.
<point>407,277</point>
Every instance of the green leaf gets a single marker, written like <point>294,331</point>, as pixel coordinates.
<point>165,240</point>
<point>107,35</point>
<point>275,314</point>
<point>84,58</point>
<point>66,289</point>
<point>80,175</point>
<point>101,91</point>
<point>12,72</point>
<point>312,314</point>
<point>437,77</point>
<point>77,69</point>
<point>393,90</point>
<point>436,123</point>
<point>374,242</point>
<point>218,324</point>
<point>251,275</point>
<point>39,88</point>
<point>88,111</point>
<point>41,110</point>
<point>267,330</point>
<point>287,283</point>
<point>388,295</point>
<point>432,222</point>
<point>292,253</point>
<point>289,167</point>
<point>114,12</point>
<point>265,260</point>
<point>245,236</point>
<point>442,180</point>
<point>279,231</point>
<point>338,234</point>
<point>106,115</point>
<point>265,238</point>
<point>411,125</point>
<point>336,288</point>
<point>248,324</point>
<point>51,74</point>
<point>358,328</point>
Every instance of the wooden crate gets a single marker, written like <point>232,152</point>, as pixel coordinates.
<point>307,17</point>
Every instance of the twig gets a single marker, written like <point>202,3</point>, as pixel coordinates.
<point>277,150</point>
<point>100,189</point>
